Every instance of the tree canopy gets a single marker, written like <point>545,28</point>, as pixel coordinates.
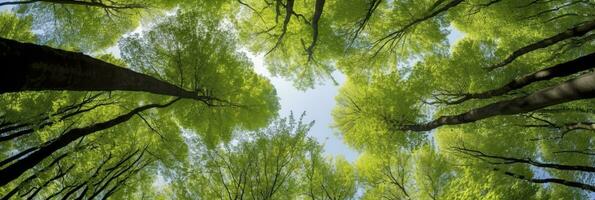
<point>442,99</point>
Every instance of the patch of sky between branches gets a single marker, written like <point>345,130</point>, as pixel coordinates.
<point>317,103</point>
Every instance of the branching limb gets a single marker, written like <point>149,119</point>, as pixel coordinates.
<point>499,160</point>
<point>559,70</point>
<point>315,19</point>
<point>361,24</point>
<point>399,33</point>
<point>574,184</point>
<point>288,14</point>
<point>582,87</point>
<point>588,152</point>
<point>576,31</point>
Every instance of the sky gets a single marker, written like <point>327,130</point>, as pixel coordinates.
<point>318,103</point>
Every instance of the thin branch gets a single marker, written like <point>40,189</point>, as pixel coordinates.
<point>489,158</point>
<point>399,33</point>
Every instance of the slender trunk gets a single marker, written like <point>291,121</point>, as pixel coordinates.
<point>560,70</point>
<point>101,188</point>
<point>30,178</point>
<point>19,167</point>
<point>17,156</point>
<point>44,185</point>
<point>71,192</point>
<point>83,193</point>
<point>46,121</point>
<point>288,12</point>
<point>12,127</point>
<point>568,183</point>
<point>315,19</point>
<point>31,67</point>
<point>511,160</point>
<point>567,109</point>
<point>579,88</point>
<point>575,31</point>
<point>55,194</point>
<point>118,184</point>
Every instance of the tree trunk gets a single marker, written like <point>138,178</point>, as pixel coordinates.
<point>98,4</point>
<point>568,183</point>
<point>576,31</point>
<point>559,70</point>
<point>34,176</point>
<point>31,67</point>
<point>19,167</point>
<point>579,88</point>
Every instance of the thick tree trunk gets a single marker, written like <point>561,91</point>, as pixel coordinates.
<point>31,67</point>
<point>559,70</point>
<point>19,167</point>
<point>77,2</point>
<point>579,88</point>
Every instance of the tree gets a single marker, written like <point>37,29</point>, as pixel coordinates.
<point>401,93</point>
<point>86,25</point>
<point>444,99</point>
<point>277,162</point>
<point>59,118</point>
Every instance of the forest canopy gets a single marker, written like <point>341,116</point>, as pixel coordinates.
<point>158,99</point>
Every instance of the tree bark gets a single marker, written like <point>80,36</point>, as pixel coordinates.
<point>19,167</point>
<point>582,87</point>
<point>34,176</point>
<point>568,183</point>
<point>559,70</point>
<point>576,31</point>
<point>315,19</point>
<point>31,67</point>
<point>511,160</point>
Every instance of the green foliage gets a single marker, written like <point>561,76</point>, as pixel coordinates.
<point>192,51</point>
<point>402,68</point>
<point>15,28</point>
<point>278,162</point>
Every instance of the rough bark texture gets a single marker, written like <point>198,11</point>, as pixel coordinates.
<point>579,88</point>
<point>19,167</point>
<point>31,67</point>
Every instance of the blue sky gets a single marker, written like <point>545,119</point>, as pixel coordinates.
<point>317,103</point>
